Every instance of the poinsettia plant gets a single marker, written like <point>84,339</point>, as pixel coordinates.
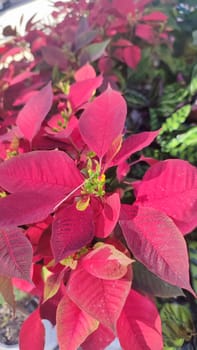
<point>77,229</point>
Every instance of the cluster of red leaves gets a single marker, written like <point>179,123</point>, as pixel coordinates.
<point>65,236</point>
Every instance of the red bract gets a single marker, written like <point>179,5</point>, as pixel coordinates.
<point>73,324</point>
<point>32,339</point>
<point>102,121</point>
<point>32,115</point>
<point>156,241</point>
<point>139,325</point>
<point>66,172</point>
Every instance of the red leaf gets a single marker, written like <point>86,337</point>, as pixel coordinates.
<point>102,299</point>
<point>106,262</point>
<point>106,215</point>
<point>139,325</point>
<point>145,32</point>
<point>30,118</point>
<point>171,186</point>
<point>28,207</point>
<point>15,254</point>
<point>82,91</point>
<point>155,240</point>
<point>122,170</point>
<point>99,339</point>
<point>103,121</point>
<point>132,56</point>
<point>155,16</point>
<point>85,72</point>
<point>134,143</point>
<point>32,333</point>
<point>73,324</point>
<point>71,230</point>
<point>40,169</point>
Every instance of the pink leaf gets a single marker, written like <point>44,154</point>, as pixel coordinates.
<point>30,118</point>
<point>15,254</point>
<point>28,207</point>
<point>132,56</point>
<point>71,230</point>
<point>106,262</point>
<point>32,333</point>
<point>102,299</point>
<point>145,32</point>
<point>73,324</point>
<point>103,121</point>
<point>134,143</point>
<point>139,325</point>
<point>122,170</point>
<point>106,215</point>
<point>40,169</point>
<point>155,16</point>
<point>85,72</point>
<point>82,91</point>
<point>99,339</point>
<point>155,241</point>
<point>171,186</point>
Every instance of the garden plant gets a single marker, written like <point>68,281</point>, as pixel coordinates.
<point>97,124</point>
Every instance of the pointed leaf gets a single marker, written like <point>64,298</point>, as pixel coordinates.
<point>171,186</point>
<point>106,262</point>
<point>32,333</point>
<point>145,32</point>
<point>28,207</point>
<point>82,91</point>
<point>139,325</point>
<point>93,51</point>
<point>15,254</point>
<point>71,230</point>
<point>106,215</point>
<point>155,240</point>
<point>102,299</point>
<point>7,291</point>
<point>30,118</point>
<point>85,72</point>
<point>103,121</point>
<point>40,168</point>
<point>134,143</point>
<point>99,339</point>
<point>132,56</point>
<point>73,324</point>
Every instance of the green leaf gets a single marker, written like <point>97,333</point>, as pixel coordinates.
<point>93,51</point>
<point>192,245</point>
<point>172,123</point>
<point>136,99</point>
<point>177,324</point>
<point>193,84</point>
